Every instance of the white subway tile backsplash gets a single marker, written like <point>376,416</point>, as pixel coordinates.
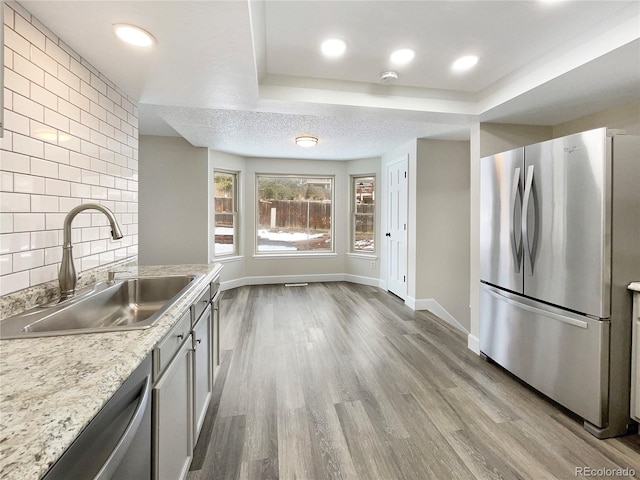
<point>44,61</point>
<point>28,222</point>
<point>14,242</point>
<point>54,119</point>
<point>43,274</point>
<point>14,282</point>
<point>56,154</point>
<point>27,145</point>
<point>44,204</point>
<point>54,221</point>
<point>57,53</point>
<point>80,190</point>
<point>44,239</point>
<point>6,222</point>
<point>52,255</point>
<point>44,168</point>
<point>69,109</point>
<point>16,123</point>
<point>6,181</point>
<point>69,78</point>
<point>28,184</point>
<point>90,178</point>
<point>28,31</point>
<point>16,42</point>
<point>28,108</point>
<point>58,187</point>
<point>16,83</point>
<point>14,162</point>
<point>14,202</point>
<point>80,70</point>
<point>72,174</point>
<point>6,264</point>
<point>24,67</point>
<point>54,85</point>
<point>70,137</point>
<point>43,96</point>
<point>67,203</point>
<point>28,260</point>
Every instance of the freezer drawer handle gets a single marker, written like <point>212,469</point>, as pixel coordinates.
<point>561,318</point>
<point>119,451</point>
<point>525,223</point>
<point>516,250</point>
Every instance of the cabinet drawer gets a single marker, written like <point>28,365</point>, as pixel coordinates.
<point>200,305</point>
<point>168,347</point>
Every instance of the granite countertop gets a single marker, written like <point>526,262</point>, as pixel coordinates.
<point>634,286</point>
<point>52,387</point>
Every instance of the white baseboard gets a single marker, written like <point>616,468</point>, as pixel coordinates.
<point>275,279</point>
<point>433,306</point>
<point>473,344</point>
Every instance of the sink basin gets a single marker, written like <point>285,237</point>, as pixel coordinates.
<point>129,304</point>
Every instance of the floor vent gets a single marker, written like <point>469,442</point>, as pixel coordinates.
<point>296,284</point>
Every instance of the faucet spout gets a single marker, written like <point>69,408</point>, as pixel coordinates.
<point>68,277</point>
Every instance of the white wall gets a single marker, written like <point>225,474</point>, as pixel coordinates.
<point>442,229</point>
<point>174,202</point>
<point>71,137</point>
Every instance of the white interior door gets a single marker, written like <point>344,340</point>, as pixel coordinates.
<point>396,235</point>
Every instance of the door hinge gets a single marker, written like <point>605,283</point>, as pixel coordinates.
<point>405,174</point>
<point>405,226</point>
<point>404,278</point>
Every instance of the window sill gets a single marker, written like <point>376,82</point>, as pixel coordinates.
<point>229,259</point>
<point>271,256</point>
<point>365,256</point>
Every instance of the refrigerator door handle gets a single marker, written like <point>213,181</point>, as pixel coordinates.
<point>528,255</point>
<point>516,250</point>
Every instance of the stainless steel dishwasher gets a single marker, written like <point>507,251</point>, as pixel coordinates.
<point>116,444</point>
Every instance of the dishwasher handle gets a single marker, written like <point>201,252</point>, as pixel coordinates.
<point>119,451</point>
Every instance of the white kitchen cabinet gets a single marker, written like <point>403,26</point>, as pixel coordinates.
<point>202,370</point>
<point>635,353</point>
<point>173,417</point>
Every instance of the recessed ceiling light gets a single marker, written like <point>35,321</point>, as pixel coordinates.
<point>306,141</point>
<point>402,56</point>
<point>133,35</point>
<point>333,47</point>
<point>464,63</point>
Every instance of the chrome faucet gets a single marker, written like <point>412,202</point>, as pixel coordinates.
<point>68,277</point>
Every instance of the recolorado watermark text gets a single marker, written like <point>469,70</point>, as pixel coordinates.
<point>604,472</point>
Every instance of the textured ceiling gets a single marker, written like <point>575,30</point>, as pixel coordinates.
<point>246,77</point>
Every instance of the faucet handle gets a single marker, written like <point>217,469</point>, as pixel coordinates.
<point>111,275</point>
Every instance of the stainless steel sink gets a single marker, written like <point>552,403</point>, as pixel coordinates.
<point>129,304</point>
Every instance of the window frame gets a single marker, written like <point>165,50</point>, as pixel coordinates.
<point>235,202</point>
<point>294,253</point>
<point>354,178</point>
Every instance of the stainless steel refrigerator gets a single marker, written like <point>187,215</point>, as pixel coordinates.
<point>559,243</point>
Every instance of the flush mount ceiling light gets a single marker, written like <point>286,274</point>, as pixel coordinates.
<point>133,35</point>
<point>388,77</point>
<point>402,56</point>
<point>464,63</point>
<point>306,141</point>
<point>333,47</point>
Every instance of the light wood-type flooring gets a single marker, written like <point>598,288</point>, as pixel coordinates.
<point>343,381</point>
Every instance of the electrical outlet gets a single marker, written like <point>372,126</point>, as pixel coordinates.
<point>373,264</point>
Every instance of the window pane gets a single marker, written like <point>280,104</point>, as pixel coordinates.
<point>364,214</point>
<point>224,218</point>
<point>294,214</point>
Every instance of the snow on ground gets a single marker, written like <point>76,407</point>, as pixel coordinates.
<point>265,234</point>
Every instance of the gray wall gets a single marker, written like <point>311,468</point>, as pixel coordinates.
<point>442,229</point>
<point>173,202</point>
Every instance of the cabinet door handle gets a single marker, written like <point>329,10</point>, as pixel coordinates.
<point>180,336</point>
